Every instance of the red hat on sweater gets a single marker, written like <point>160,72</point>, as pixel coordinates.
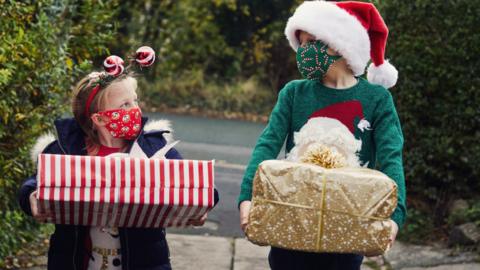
<point>345,112</point>
<point>355,29</point>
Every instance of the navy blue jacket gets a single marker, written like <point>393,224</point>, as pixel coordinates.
<point>142,248</point>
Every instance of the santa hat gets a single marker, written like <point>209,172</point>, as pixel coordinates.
<point>355,29</point>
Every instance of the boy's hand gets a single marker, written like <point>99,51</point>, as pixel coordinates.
<point>198,222</point>
<point>40,217</point>
<point>393,234</point>
<point>244,210</point>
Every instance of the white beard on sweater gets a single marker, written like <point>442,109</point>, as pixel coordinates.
<point>328,132</point>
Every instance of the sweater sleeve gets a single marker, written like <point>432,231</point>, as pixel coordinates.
<point>270,141</point>
<point>389,146</point>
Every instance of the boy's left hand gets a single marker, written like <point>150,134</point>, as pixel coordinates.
<point>394,232</point>
<point>393,235</point>
<point>198,222</point>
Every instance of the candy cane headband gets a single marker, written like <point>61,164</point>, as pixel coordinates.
<point>114,67</point>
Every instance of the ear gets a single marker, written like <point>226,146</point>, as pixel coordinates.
<point>297,35</point>
<point>98,120</point>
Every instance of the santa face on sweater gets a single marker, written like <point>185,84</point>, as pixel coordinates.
<point>332,129</point>
<point>326,134</point>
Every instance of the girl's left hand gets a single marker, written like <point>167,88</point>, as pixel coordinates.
<point>198,222</point>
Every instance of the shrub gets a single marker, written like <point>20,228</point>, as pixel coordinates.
<point>44,47</point>
<point>437,98</point>
<point>192,89</point>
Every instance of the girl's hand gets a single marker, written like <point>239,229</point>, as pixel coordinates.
<point>40,217</point>
<point>244,211</point>
<point>198,222</point>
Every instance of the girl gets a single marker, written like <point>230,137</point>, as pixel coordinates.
<point>333,42</point>
<point>99,101</point>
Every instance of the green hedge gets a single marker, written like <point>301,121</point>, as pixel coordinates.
<point>44,46</point>
<point>225,40</point>
<point>436,47</point>
<point>193,89</point>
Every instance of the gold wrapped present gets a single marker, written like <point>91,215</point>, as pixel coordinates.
<point>306,207</point>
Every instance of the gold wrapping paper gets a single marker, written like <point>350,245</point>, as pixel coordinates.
<point>306,207</point>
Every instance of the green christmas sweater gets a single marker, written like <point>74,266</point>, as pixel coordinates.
<point>366,109</point>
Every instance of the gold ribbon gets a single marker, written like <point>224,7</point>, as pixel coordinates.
<point>320,216</point>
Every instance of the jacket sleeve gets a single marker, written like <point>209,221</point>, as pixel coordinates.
<point>173,154</point>
<point>27,188</point>
<point>30,184</point>
<point>270,141</point>
<point>389,146</point>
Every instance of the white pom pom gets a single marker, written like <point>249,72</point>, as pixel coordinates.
<point>385,74</point>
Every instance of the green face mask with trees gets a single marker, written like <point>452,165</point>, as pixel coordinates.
<point>313,61</point>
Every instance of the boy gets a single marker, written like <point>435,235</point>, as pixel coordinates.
<point>334,42</point>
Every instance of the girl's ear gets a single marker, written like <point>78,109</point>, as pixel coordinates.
<point>98,120</point>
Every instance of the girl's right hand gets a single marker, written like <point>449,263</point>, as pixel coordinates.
<point>244,211</point>
<point>40,217</point>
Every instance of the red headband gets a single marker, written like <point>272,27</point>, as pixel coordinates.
<point>92,95</point>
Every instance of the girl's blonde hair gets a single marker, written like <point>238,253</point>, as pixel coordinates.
<point>80,96</point>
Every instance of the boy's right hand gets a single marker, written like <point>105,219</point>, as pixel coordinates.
<point>40,217</point>
<point>244,211</point>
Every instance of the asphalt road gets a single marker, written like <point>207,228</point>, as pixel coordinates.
<point>230,143</point>
<point>223,220</point>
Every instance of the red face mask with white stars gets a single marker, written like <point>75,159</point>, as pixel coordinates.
<point>123,124</point>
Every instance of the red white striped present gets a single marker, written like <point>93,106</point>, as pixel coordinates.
<point>124,191</point>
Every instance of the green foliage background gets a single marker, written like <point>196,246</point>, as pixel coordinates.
<point>44,46</point>
<point>212,52</point>
<point>232,56</point>
<point>435,47</point>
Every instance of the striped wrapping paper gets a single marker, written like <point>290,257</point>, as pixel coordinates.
<point>124,191</point>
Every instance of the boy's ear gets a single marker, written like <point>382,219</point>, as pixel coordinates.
<point>98,120</point>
